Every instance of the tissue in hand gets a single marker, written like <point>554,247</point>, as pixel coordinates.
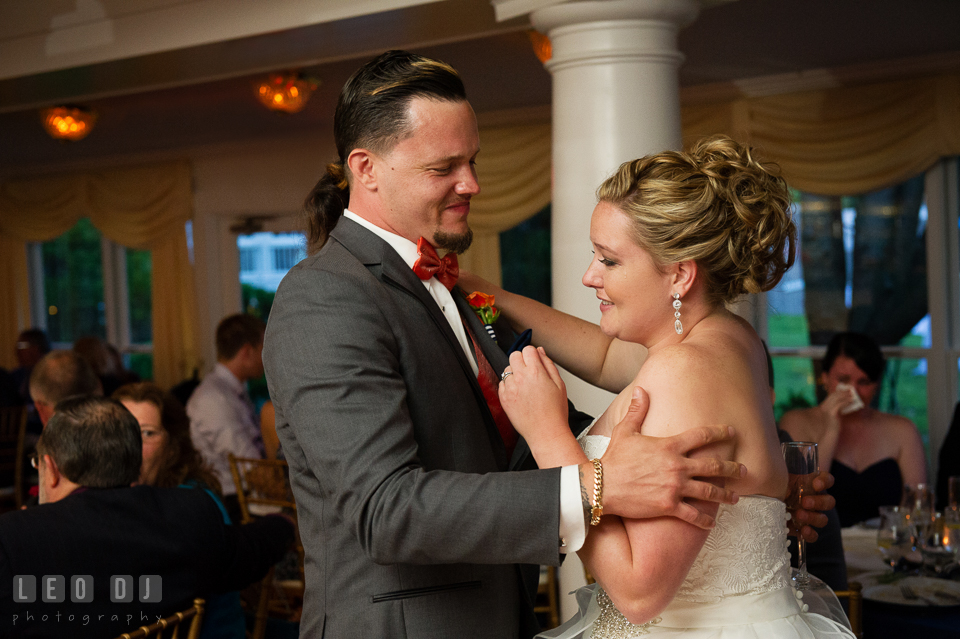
<point>856,403</point>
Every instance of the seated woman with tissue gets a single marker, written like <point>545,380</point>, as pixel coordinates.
<point>871,454</point>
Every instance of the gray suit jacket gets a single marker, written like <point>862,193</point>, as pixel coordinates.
<point>410,529</point>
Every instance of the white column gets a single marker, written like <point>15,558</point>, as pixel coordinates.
<point>615,98</point>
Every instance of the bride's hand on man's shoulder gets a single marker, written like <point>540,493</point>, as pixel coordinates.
<point>533,394</point>
<point>654,477</point>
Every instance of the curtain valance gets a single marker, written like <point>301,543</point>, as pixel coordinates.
<point>843,141</point>
<point>143,207</point>
<point>515,178</point>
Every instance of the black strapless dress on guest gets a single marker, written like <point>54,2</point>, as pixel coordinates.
<point>860,495</point>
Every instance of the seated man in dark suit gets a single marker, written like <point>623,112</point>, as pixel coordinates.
<point>57,375</point>
<point>99,538</point>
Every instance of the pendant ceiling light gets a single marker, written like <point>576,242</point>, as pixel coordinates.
<point>286,92</point>
<point>542,47</point>
<point>68,122</point>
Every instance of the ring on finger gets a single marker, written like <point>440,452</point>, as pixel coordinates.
<point>504,375</point>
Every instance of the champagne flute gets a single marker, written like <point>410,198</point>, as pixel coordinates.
<point>803,466</point>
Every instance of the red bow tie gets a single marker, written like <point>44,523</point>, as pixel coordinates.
<point>429,264</point>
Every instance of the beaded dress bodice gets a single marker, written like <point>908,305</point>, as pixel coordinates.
<point>745,554</point>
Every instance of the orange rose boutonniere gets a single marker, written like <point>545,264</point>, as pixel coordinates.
<point>483,305</point>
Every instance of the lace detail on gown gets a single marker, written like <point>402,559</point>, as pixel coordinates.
<point>745,554</point>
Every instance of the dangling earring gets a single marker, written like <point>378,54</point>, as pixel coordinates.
<point>677,326</point>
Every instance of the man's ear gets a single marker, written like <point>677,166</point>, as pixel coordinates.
<point>44,411</point>
<point>52,474</point>
<point>363,169</point>
<point>684,275</point>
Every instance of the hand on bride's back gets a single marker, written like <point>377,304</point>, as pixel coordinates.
<point>534,396</point>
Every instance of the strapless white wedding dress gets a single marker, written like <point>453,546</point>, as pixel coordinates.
<point>739,586</point>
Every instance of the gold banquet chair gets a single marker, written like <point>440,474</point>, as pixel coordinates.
<point>548,600</point>
<point>263,487</point>
<point>854,597</point>
<point>13,428</point>
<point>173,622</point>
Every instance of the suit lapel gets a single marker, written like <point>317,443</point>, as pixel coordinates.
<point>491,350</point>
<point>498,360</point>
<point>387,266</point>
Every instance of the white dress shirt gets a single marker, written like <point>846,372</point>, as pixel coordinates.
<point>222,421</point>
<point>572,526</point>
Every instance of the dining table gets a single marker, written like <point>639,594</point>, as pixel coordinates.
<point>932,611</point>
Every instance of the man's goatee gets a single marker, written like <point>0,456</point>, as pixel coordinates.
<point>456,243</point>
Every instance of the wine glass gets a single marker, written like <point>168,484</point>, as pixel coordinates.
<point>892,535</point>
<point>803,466</point>
<point>917,505</point>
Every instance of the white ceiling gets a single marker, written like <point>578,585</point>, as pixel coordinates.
<point>157,98</point>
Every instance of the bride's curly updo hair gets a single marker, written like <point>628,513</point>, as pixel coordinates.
<point>717,205</point>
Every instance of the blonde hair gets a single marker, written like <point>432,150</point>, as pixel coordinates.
<point>716,205</point>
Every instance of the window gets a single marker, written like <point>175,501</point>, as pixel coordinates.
<point>867,263</point>
<point>259,282</point>
<point>525,258</point>
<point>248,259</point>
<point>284,257</point>
<point>84,284</point>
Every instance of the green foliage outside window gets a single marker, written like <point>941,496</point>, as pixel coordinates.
<point>904,389</point>
<point>139,273</point>
<point>73,284</point>
<point>525,258</point>
<point>73,291</point>
<point>256,301</point>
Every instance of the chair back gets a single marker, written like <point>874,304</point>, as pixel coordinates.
<point>263,487</point>
<point>173,622</point>
<point>548,598</point>
<point>854,597</point>
<point>13,428</point>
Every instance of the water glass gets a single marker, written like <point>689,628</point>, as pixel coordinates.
<point>917,505</point>
<point>951,531</point>
<point>938,546</point>
<point>893,537</point>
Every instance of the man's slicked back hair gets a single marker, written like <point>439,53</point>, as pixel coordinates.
<point>373,113</point>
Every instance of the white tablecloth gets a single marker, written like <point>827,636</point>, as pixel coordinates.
<point>860,551</point>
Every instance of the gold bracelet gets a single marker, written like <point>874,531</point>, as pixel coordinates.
<point>597,511</point>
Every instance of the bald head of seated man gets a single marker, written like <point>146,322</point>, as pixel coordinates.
<point>57,376</point>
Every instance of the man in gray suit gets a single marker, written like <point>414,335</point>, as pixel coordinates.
<point>384,385</point>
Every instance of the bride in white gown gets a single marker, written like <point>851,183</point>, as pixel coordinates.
<point>676,236</point>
